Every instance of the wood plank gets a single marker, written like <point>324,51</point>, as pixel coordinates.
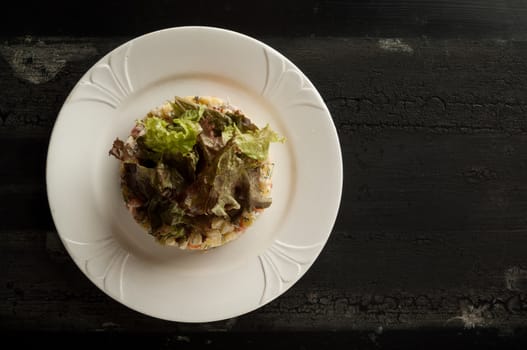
<point>357,284</point>
<point>440,18</point>
<point>432,227</point>
<point>461,85</point>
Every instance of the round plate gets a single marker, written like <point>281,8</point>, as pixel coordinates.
<point>83,181</point>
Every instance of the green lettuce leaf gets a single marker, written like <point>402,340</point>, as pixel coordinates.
<point>229,132</point>
<point>139,180</point>
<point>228,170</point>
<point>253,143</point>
<point>168,180</point>
<point>179,137</point>
<point>193,114</point>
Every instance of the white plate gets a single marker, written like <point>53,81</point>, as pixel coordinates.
<point>83,181</point>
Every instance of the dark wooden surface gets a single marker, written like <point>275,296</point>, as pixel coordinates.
<point>430,103</point>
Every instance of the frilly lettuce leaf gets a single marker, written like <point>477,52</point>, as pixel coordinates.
<point>253,143</point>
<point>226,187</point>
<point>177,137</point>
<point>227,176</point>
<point>140,180</point>
<point>193,114</point>
<point>213,191</point>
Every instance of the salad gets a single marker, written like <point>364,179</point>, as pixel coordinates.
<point>195,172</point>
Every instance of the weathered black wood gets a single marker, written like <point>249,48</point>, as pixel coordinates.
<point>432,230</point>
<point>410,18</point>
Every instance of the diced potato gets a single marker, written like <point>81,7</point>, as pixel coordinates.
<point>213,233</point>
<point>214,241</point>
<point>217,223</point>
<point>195,239</point>
<point>229,237</point>
<point>227,227</point>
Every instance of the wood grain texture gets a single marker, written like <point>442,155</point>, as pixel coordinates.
<point>432,228</point>
<point>388,18</point>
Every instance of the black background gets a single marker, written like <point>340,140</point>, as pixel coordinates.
<point>370,18</point>
<point>429,100</point>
